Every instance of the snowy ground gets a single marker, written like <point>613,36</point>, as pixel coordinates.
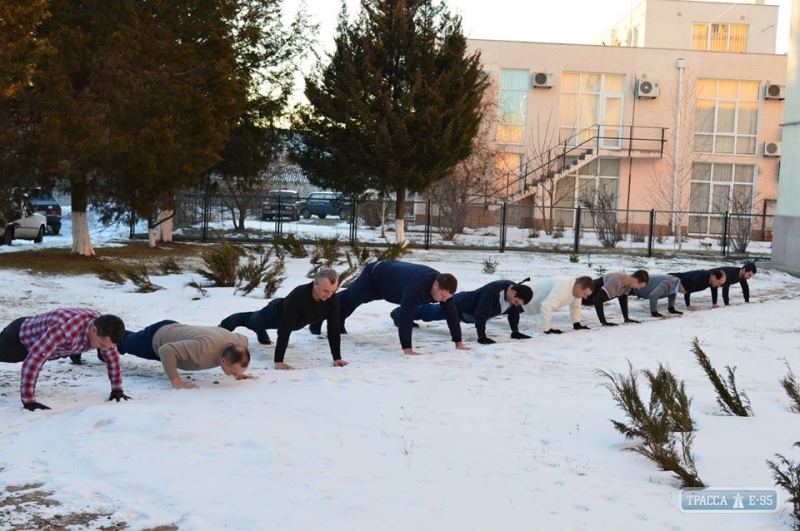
<point>509,436</point>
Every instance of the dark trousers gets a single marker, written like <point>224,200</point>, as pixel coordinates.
<point>361,291</point>
<point>267,317</point>
<point>140,343</point>
<point>11,348</point>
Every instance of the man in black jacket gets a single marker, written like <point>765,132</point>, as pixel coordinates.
<point>699,280</point>
<point>501,297</point>
<point>735,275</point>
<point>309,303</point>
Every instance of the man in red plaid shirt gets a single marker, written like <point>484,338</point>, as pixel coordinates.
<point>64,332</point>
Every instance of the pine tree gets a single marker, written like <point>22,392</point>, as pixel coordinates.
<point>397,105</point>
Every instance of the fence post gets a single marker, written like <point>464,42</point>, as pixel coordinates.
<point>725,225</point>
<point>428,225</point>
<point>650,230</point>
<point>206,215</point>
<point>353,221</point>
<point>503,228</point>
<point>577,231</point>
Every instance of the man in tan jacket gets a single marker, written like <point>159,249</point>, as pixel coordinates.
<point>189,348</point>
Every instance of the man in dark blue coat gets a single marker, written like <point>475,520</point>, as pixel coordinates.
<point>501,297</point>
<point>409,285</point>
<point>735,275</point>
<point>698,280</point>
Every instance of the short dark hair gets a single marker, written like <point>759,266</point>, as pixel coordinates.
<point>585,282</point>
<point>717,273</point>
<point>110,326</point>
<point>447,282</point>
<point>523,292</point>
<point>641,275</point>
<point>234,354</point>
<point>750,267</point>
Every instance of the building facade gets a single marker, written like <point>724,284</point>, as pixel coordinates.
<point>676,109</point>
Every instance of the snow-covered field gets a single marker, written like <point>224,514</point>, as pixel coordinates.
<point>511,436</point>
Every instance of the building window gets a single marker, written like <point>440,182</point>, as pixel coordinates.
<point>508,171</point>
<point>591,107</point>
<point>726,116</point>
<point>514,85</point>
<point>597,182</point>
<point>717,189</point>
<point>720,37</point>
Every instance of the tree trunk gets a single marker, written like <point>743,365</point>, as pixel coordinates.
<point>151,237</point>
<point>165,216</point>
<point>165,227</point>
<point>81,241</point>
<point>400,217</point>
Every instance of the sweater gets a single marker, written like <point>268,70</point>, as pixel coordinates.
<point>192,348</point>
<point>549,294</point>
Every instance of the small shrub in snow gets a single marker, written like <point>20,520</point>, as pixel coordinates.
<point>730,400</point>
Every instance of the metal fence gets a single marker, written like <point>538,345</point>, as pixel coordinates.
<point>486,226</point>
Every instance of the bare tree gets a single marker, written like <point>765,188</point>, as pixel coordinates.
<point>471,181</point>
<point>601,202</point>
<point>670,190</point>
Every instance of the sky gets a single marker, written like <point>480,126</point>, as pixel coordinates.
<point>515,435</point>
<point>564,21</point>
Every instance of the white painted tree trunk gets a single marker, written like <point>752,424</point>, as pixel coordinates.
<point>81,242</point>
<point>151,237</point>
<point>165,228</point>
<point>400,228</point>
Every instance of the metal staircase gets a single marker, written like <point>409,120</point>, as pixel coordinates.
<point>575,152</point>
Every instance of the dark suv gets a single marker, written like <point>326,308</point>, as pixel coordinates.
<point>280,203</point>
<point>43,201</point>
<point>323,204</point>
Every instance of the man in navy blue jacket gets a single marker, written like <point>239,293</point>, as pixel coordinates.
<point>501,297</point>
<point>698,280</point>
<point>409,285</point>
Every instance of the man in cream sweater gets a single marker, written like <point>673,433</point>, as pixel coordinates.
<point>550,294</point>
<point>189,348</point>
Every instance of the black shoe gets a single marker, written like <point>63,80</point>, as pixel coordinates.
<point>342,329</point>
<point>393,315</point>
<point>673,310</point>
<point>100,356</point>
<point>315,328</point>
<point>263,337</point>
<point>656,314</point>
<point>76,359</point>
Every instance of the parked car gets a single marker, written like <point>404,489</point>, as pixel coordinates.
<point>44,202</point>
<point>323,204</point>
<point>32,227</point>
<point>280,203</point>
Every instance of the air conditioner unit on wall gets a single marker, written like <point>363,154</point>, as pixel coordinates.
<point>772,149</point>
<point>647,88</point>
<point>774,92</point>
<point>542,80</point>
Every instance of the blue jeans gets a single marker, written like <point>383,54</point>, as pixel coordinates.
<point>140,344</point>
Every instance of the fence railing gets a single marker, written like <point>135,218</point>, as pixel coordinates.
<point>485,226</point>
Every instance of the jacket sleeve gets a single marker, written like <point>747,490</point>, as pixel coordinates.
<point>574,310</point>
<point>513,318</point>
<point>601,298</point>
<point>453,322</point>
<point>745,290</point>
<point>714,294</point>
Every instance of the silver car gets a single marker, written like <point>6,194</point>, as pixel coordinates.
<point>32,227</point>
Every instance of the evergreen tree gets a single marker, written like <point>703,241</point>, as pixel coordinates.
<point>134,100</point>
<point>397,105</point>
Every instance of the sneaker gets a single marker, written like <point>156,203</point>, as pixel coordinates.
<point>672,309</point>
<point>263,337</point>
<point>393,315</point>
<point>342,329</point>
<point>76,359</point>
<point>315,328</point>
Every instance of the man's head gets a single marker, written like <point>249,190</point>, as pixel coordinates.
<point>234,360</point>
<point>325,283</point>
<point>717,278</point>
<point>642,277</point>
<point>444,287</point>
<point>106,331</point>
<point>583,287</point>
<point>519,294</point>
<point>748,271</point>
